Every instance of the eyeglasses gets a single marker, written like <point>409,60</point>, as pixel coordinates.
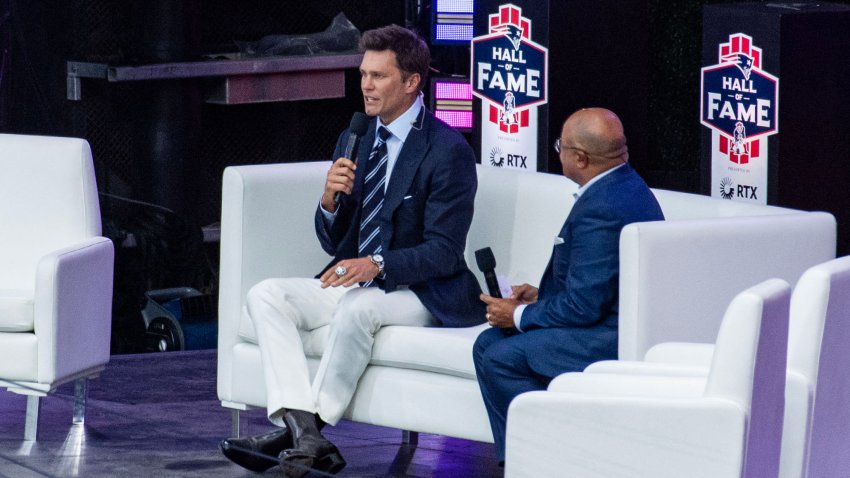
<point>557,146</point>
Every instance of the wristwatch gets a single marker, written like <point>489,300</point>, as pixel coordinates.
<point>378,260</point>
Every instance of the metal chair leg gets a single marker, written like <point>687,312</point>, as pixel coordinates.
<point>31,426</point>
<point>81,394</point>
<point>409,438</point>
<point>234,423</point>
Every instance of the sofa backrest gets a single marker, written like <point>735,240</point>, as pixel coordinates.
<point>518,214</point>
<point>267,224</point>
<point>677,205</point>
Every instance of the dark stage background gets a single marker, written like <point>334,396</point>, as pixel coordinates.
<point>37,38</point>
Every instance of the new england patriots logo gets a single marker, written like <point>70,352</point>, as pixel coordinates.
<point>514,34</point>
<point>742,61</point>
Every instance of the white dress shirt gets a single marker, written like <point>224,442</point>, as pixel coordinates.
<point>400,128</point>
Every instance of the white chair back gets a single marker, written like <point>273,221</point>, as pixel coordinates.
<point>41,207</point>
<point>818,350</point>
<point>749,365</point>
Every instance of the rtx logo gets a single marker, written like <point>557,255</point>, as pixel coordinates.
<point>747,192</point>
<point>498,159</point>
<point>517,161</point>
<point>729,190</point>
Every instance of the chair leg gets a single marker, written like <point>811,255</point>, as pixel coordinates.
<point>81,394</point>
<point>234,423</point>
<point>409,438</point>
<point>31,426</point>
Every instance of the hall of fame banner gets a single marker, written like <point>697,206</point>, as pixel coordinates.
<point>739,103</point>
<point>509,73</point>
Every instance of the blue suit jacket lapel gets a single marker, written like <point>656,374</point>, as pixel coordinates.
<point>582,202</point>
<point>363,153</point>
<point>415,149</point>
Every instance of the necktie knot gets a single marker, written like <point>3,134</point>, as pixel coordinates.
<point>384,133</point>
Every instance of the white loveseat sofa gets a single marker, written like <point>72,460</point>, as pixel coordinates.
<point>676,279</point>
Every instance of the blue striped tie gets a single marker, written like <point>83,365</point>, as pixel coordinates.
<point>373,186</point>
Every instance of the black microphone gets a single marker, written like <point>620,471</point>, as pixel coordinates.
<point>487,264</point>
<point>356,129</point>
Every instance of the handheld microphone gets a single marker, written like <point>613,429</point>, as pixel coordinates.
<point>356,129</point>
<point>487,264</point>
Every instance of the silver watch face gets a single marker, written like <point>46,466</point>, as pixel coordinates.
<point>378,259</point>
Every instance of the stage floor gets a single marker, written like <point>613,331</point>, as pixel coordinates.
<point>156,415</point>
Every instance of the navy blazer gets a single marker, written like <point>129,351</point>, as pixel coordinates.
<point>425,219</point>
<point>578,297</point>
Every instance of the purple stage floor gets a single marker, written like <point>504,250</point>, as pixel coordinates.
<point>156,415</point>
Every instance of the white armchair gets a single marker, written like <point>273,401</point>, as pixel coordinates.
<point>817,418</point>
<point>56,273</point>
<point>725,424</point>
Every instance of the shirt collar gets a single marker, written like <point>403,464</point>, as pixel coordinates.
<point>596,178</point>
<point>401,126</point>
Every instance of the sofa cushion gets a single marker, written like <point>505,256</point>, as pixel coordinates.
<point>16,310</point>
<point>432,349</point>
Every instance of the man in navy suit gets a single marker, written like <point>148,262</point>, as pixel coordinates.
<point>571,321</point>
<point>396,222</point>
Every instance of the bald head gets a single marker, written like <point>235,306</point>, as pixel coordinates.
<point>592,141</point>
<point>599,132</point>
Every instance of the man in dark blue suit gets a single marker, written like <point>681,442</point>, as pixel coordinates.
<point>395,222</point>
<point>571,321</point>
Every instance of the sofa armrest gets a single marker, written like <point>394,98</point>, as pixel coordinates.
<point>266,231</point>
<point>676,277</point>
<point>73,309</point>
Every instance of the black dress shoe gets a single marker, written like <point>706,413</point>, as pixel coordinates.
<point>257,453</point>
<point>317,454</point>
<point>311,450</point>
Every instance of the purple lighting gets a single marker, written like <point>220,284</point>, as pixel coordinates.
<point>452,101</point>
<point>444,90</point>
<point>455,6</point>
<point>456,119</point>
<point>452,21</point>
<point>460,33</point>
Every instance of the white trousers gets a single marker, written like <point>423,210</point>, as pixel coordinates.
<point>279,308</point>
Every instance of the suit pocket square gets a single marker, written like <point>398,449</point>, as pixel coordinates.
<point>559,240</point>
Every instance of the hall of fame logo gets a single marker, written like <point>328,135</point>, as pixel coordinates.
<point>508,69</point>
<point>739,100</point>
